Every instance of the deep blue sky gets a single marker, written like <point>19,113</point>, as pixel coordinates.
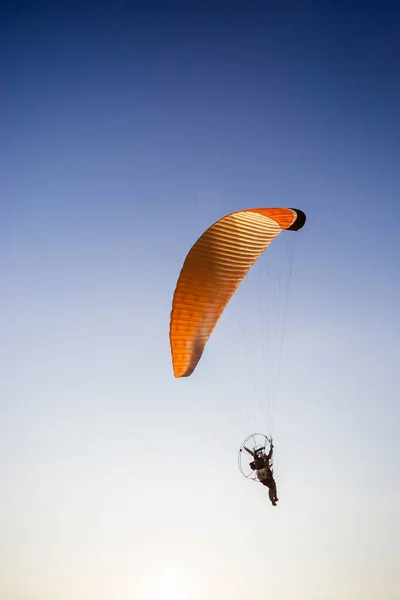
<point>124,132</point>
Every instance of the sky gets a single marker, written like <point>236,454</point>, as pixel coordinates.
<point>126,130</point>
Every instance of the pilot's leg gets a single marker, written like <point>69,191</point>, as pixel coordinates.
<point>271,496</point>
<point>273,488</point>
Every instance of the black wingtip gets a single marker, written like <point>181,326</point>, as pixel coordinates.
<point>300,220</point>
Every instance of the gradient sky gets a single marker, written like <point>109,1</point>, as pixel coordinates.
<point>125,132</point>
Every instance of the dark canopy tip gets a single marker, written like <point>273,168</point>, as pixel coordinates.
<point>299,222</point>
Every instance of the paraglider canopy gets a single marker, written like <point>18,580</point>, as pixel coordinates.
<point>212,271</point>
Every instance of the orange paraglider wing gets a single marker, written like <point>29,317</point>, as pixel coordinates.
<point>213,270</point>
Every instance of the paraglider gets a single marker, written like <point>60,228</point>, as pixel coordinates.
<point>212,271</point>
<point>261,465</point>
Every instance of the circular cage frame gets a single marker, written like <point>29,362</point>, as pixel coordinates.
<point>256,442</point>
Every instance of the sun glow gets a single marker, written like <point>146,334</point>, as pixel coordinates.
<point>173,585</point>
